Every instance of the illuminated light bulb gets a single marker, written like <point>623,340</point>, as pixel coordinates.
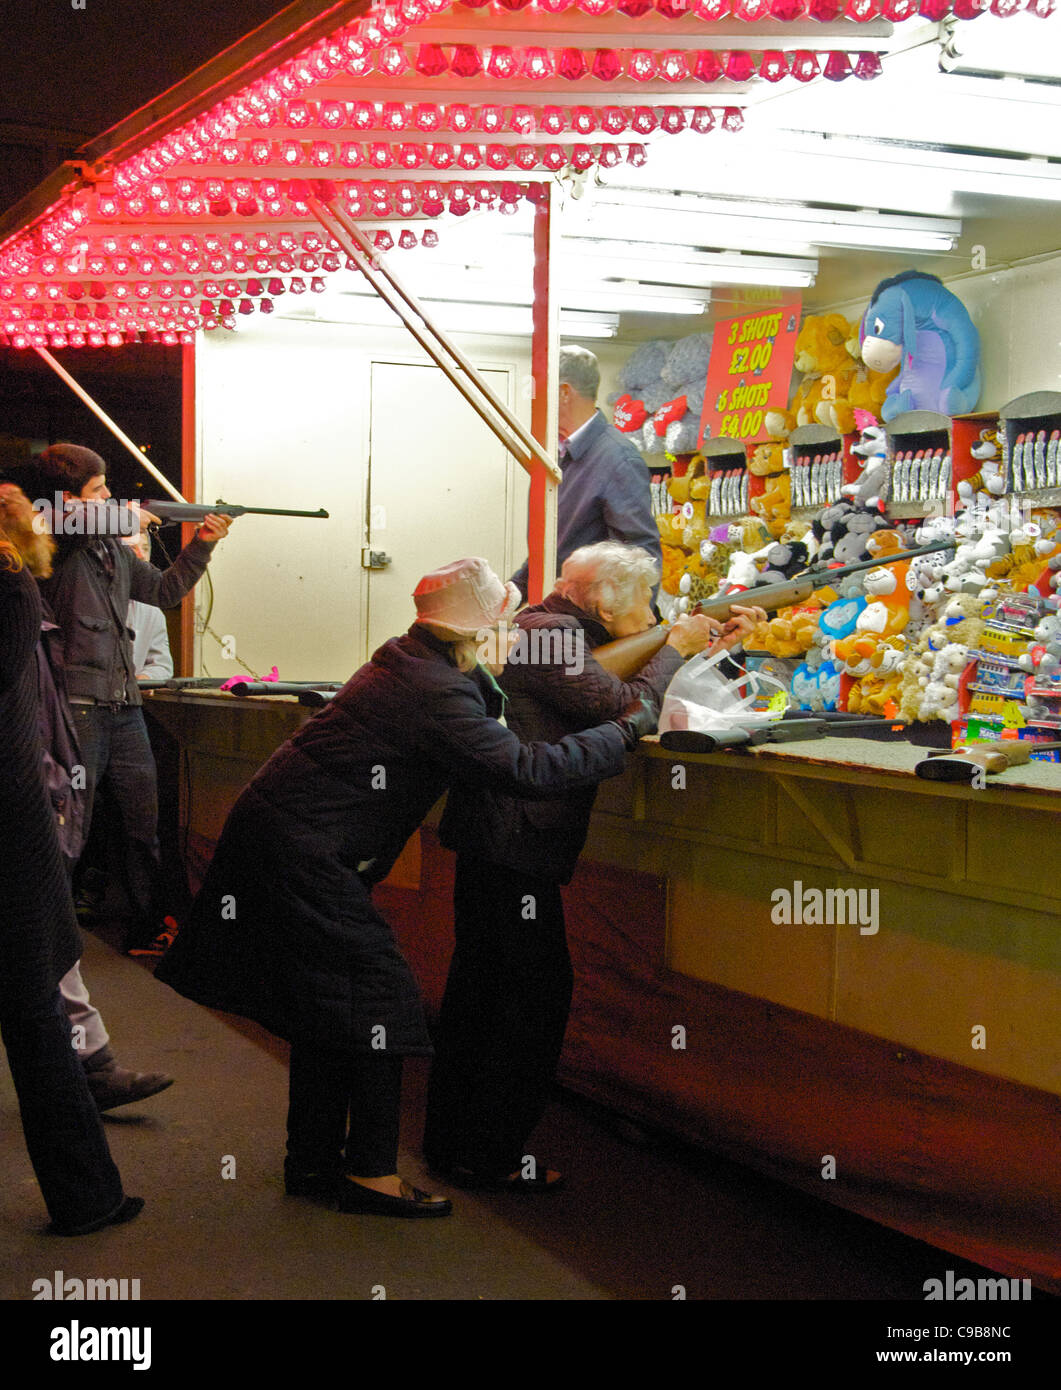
<point>460,118</point>
<point>552,120</point>
<point>157,189</point>
<point>329,261</point>
<point>383,241</point>
<point>119,291</point>
<point>804,66</point>
<point>413,12</point>
<point>466,61</point>
<point>258,152</point>
<point>582,156</point>
<point>431,207</point>
<point>468,157</point>
<point>525,156</point>
<point>216,264</point>
<point>378,191</point>
<point>608,156</point>
<point>411,156</point>
<point>73,290</point>
<point>635,155</point>
<point>673,67</point>
<point>107,207</point>
<point>522,121</point>
<point>502,62</point>
<point>299,115</point>
<point>553,157</point>
<point>427,117</point>
<point>459,208</point>
<point>642,66</point>
<point>706,67</point>
<point>407,240</point>
<point>165,289</point>
<point>537,64</point>
<point>825,11</point>
<point>1043,9</point>
<point>351,154</point>
<point>321,154</point>
<point>121,265</point>
<point>135,207</point>
<point>607,65</point>
<point>613,120</point>
<point>296,285</point>
<point>733,119</point>
<point>363,115</point>
<point>491,119</point>
<point>432,191</point>
<point>276,286</point>
<point>774,66</point>
<point>643,121</point>
<point>274,207</point>
<point>837,67</point>
<point>583,120</point>
<point>290,153</point>
<point>498,156</point>
<point>572,64</point>
<point>442,156</point>
<point>672,120</point>
<point>231,289</point>
<point>212,188</point>
<point>395,116</point>
<point>751,11</point>
<point>702,120</point>
<point>391,22</point>
<point>739,66</point>
<point>333,114</point>
<point>392,60</point>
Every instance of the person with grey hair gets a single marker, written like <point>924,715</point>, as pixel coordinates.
<point>504,1012</point>
<point>605,492</point>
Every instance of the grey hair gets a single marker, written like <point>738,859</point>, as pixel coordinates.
<point>609,576</point>
<point>580,370</point>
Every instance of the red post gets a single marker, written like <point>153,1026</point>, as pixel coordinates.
<point>541,523</point>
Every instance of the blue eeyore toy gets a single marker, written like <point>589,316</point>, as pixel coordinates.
<point>914,319</point>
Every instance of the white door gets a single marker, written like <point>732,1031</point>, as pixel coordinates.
<point>440,487</point>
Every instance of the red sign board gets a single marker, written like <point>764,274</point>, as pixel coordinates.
<point>750,371</point>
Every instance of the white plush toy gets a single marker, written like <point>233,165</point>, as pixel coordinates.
<point>872,487</point>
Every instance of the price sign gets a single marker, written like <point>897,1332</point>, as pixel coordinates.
<point>750,371</point>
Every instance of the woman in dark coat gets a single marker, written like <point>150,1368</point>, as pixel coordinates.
<point>284,930</point>
<point>39,938</point>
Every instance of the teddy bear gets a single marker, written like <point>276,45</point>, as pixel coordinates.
<point>774,504</point>
<point>872,449</point>
<point>933,668</point>
<point>790,633</point>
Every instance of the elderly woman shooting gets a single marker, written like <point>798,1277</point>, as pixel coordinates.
<point>509,989</point>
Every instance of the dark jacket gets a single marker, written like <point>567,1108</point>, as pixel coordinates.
<point>59,746</point>
<point>605,495</point>
<point>39,939</point>
<point>546,700</point>
<point>93,579</point>
<point>284,930</point>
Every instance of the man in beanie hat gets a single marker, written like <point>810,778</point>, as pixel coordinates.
<point>284,930</point>
<point>93,580</point>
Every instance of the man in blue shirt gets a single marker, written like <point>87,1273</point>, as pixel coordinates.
<point>605,493</point>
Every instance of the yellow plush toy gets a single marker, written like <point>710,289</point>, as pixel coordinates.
<point>774,505</point>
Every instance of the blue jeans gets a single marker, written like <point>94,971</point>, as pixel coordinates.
<point>115,747</point>
<point>64,1135</point>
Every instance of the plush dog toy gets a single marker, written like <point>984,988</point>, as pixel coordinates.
<point>914,322</point>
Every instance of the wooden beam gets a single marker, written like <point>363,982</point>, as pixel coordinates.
<point>545,347</point>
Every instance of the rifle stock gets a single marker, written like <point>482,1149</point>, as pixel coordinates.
<point>625,656</point>
<point>963,764</point>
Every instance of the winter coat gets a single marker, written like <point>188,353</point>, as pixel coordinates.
<point>93,579</point>
<point>283,930</point>
<point>39,939</point>
<point>547,698</point>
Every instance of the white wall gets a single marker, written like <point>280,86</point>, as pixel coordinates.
<point>283,421</point>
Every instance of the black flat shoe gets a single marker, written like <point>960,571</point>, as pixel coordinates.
<point>354,1197</point>
<point>129,1208</point>
<point>467,1178</point>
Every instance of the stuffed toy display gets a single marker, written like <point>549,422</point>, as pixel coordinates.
<point>774,503</point>
<point>915,323</point>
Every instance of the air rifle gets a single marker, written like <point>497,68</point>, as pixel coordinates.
<point>971,761</point>
<point>198,511</point>
<point>624,657</point>
<point>780,731</point>
<point>245,688</point>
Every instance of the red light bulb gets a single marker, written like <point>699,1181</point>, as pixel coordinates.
<point>774,66</point>
<point>430,60</point>
<point>636,156</point>
<point>673,67</point>
<point>466,61</point>
<point>537,64</point>
<point>739,66</point>
<point>502,63</point>
<point>642,65</point>
<point>607,65</point>
<point>427,117</point>
<point>572,64</point>
<point>672,120</point>
<point>707,67</point>
<point>837,67</point>
<point>643,121</point>
<point>703,120</point>
<point>804,66</point>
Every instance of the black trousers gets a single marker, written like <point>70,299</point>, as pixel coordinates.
<point>343,1112</point>
<point>501,1026</point>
